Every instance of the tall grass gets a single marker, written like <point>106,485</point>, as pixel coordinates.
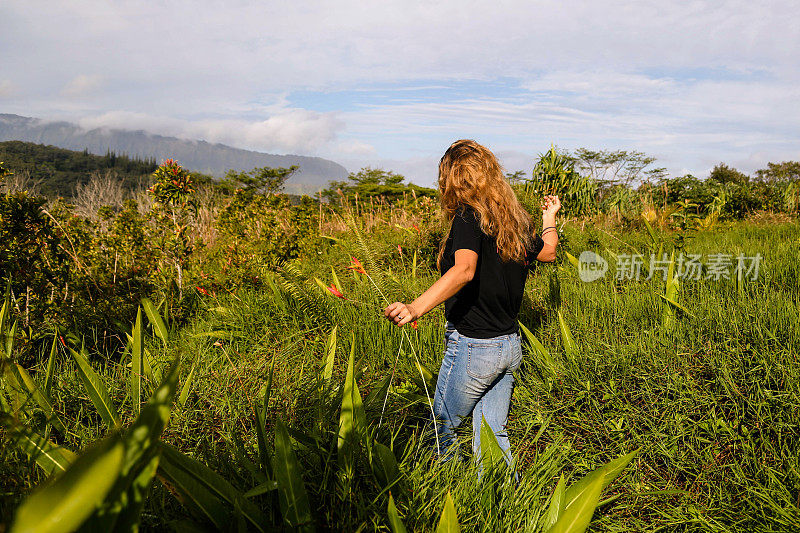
<point>278,417</point>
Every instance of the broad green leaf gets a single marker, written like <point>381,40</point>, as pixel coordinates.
<point>40,397</point>
<point>541,353</point>
<point>187,384</point>
<point>352,422</point>
<point>377,395</point>
<point>66,503</point>
<point>676,304</point>
<point>159,326</point>
<point>395,524</point>
<point>330,356</point>
<point>336,280</point>
<point>97,391</point>
<point>576,517</point>
<point>492,455</point>
<point>607,473</point>
<point>204,492</point>
<point>556,507</point>
<point>51,364</point>
<point>263,488</point>
<point>48,455</point>
<point>295,508</point>
<point>137,362</point>
<point>125,501</point>
<point>448,523</point>
<point>261,424</point>
<point>384,465</point>
<point>572,259</point>
<point>10,337</point>
<point>570,348</point>
<point>322,286</point>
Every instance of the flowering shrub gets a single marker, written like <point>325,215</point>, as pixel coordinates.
<point>173,185</point>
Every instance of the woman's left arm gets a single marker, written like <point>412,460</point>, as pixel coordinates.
<point>550,207</point>
<point>466,261</point>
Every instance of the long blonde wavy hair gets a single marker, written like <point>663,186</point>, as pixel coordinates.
<point>470,175</point>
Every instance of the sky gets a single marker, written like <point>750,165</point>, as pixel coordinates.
<point>392,84</point>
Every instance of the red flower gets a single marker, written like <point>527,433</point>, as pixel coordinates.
<point>62,341</point>
<point>416,228</point>
<point>400,249</point>
<point>333,290</point>
<point>201,290</point>
<point>414,325</point>
<point>356,265</point>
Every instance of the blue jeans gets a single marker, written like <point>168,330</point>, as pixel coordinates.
<point>476,378</point>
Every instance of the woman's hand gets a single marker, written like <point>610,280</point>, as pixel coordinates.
<point>550,206</point>
<point>400,313</point>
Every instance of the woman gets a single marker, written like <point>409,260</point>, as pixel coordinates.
<point>484,263</point>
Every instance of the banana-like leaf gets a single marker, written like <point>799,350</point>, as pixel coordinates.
<point>395,524</point>
<point>607,473</point>
<point>261,423</point>
<point>330,356</point>
<point>576,517</point>
<point>10,337</point>
<point>448,523</point>
<point>263,488</point>
<point>137,362</point>
<point>676,304</point>
<point>570,348</point>
<point>51,364</point>
<point>352,421</point>
<point>65,504</point>
<point>492,455</point>
<point>556,507</point>
<point>572,259</point>
<point>322,286</point>
<point>53,459</point>
<point>96,389</point>
<point>40,397</point>
<point>204,492</point>
<point>541,353</point>
<point>336,282</point>
<point>187,384</point>
<point>384,465</point>
<point>159,326</point>
<point>125,501</point>
<point>295,507</point>
<point>375,398</point>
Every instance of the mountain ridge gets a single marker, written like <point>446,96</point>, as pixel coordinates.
<point>197,155</point>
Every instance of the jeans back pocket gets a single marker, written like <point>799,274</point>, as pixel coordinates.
<point>483,358</point>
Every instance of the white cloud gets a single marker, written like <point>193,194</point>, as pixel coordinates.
<point>82,85</point>
<point>290,130</point>
<point>6,89</point>
<point>692,82</point>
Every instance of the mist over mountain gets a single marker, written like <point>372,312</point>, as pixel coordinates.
<point>201,156</point>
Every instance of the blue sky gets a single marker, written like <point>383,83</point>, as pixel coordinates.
<point>392,83</point>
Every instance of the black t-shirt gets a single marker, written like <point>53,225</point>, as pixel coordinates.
<point>488,305</point>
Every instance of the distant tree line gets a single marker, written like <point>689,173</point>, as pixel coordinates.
<point>56,172</point>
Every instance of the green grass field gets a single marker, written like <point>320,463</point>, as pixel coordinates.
<point>708,390</point>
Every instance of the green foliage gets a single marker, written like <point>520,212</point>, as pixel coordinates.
<point>59,171</point>
<point>375,183</point>
<point>260,180</point>
<point>555,173</point>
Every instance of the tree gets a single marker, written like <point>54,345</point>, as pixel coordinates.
<point>722,173</point>
<point>787,171</point>
<point>375,182</point>
<point>260,180</point>
<point>613,167</point>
